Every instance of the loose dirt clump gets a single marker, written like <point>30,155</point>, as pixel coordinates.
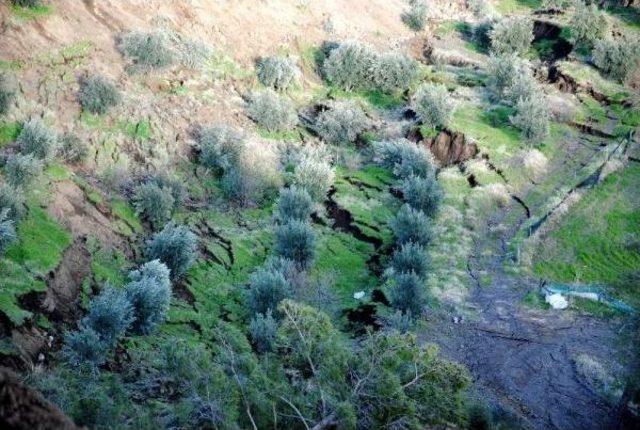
<point>22,408</point>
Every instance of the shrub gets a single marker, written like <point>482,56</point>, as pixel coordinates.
<point>27,3</point>
<point>296,241</point>
<point>278,73</point>
<point>342,123</point>
<point>587,24</point>
<point>110,315</point>
<point>271,111</point>
<point>150,294</point>
<point>84,348</point>
<point>147,50</point>
<point>482,33</point>
<point>410,225</point>
<point>501,73</point>
<point>256,177</point>
<point>294,203</point>
<point>175,246</point>
<point>512,36</point>
<point>407,293</point>
<point>617,58</point>
<point>422,193</point>
<point>38,140</point>
<point>153,203</point>
<point>314,176</point>
<point>398,321</point>
<point>267,288</point>
<point>416,16</point>
<point>12,199</point>
<point>220,147</point>
<point>22,170</point>
<point>433,105</point>
<point>98,94</point>
<point>532,117</point>
<point>395,71</point>
<point>352,65</point>
<point>73,149</point>
<point>7,231</point>
<point>193,53</point>
<point>410,258</point>
<point>174,185</point>
<point>7,92</point>
<point>404,157</point>
<point>523,85</point>
<point>263,330</point>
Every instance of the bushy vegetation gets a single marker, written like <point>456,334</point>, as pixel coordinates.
<point>98,94</point>
<point>110,315</point>
<point>296,241</point>
<point>22,170</point>
<point>351,66</point>
<point>27,3</point>
<point>263,329</point>
<point>147,49</point>
<point>7,231</point>
<point>279,73</point>
<point>407,293</point>
<point>410,258</point>
<point>315,176</point>
<point>411,225</point>
<point>220,147</point>
<point>294,204</point>
<point>38,140</point>
<point>617,58</point>
<point>84,348</point>
<point>502,71</point>
<point>341,123</point>
<point>175,246</point>
<point>395,71</point>
<point>587,23</point>
<point>523,86</point>
<point>149,292</point>
<point>532,117</point>
<point>404,158</point>
<point>416,16</point>
<point>433,105</point>
<point>73,149</point>
<point>511,36</point>
<point>154,203</point>
<point>7,92</point>
<point>357,66</point>
<point>271,111</point>
<point>13,200</point>
<point>267,288</point>
<point>422,193</point>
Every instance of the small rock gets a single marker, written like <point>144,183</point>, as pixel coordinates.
<point>457,319</point>
<point>359,295</point>
<point>557,301</point>
<point>41,357</point>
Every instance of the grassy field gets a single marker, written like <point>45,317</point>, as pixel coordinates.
<point>597,240</point>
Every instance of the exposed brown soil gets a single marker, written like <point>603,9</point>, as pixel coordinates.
<point>23,408</point>
<point>64,284</point>
<point>448,147</point>
<point>71,208</point>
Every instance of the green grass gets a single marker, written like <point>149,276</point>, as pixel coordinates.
<point>587,75</point>
<point>29,13</point>
<point>9,132</point>
<point>507,7</point>
<point>140,131</point>
<point>57,172</point>
<point>41,243</point>
<point>593,307</point>
<point>375,98</point>
<point>594,242</point>
<point>127,222</point>
<point>12,65</point>
<point>490,128</point>
<point>535,300</point>
<point>344,259</point>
